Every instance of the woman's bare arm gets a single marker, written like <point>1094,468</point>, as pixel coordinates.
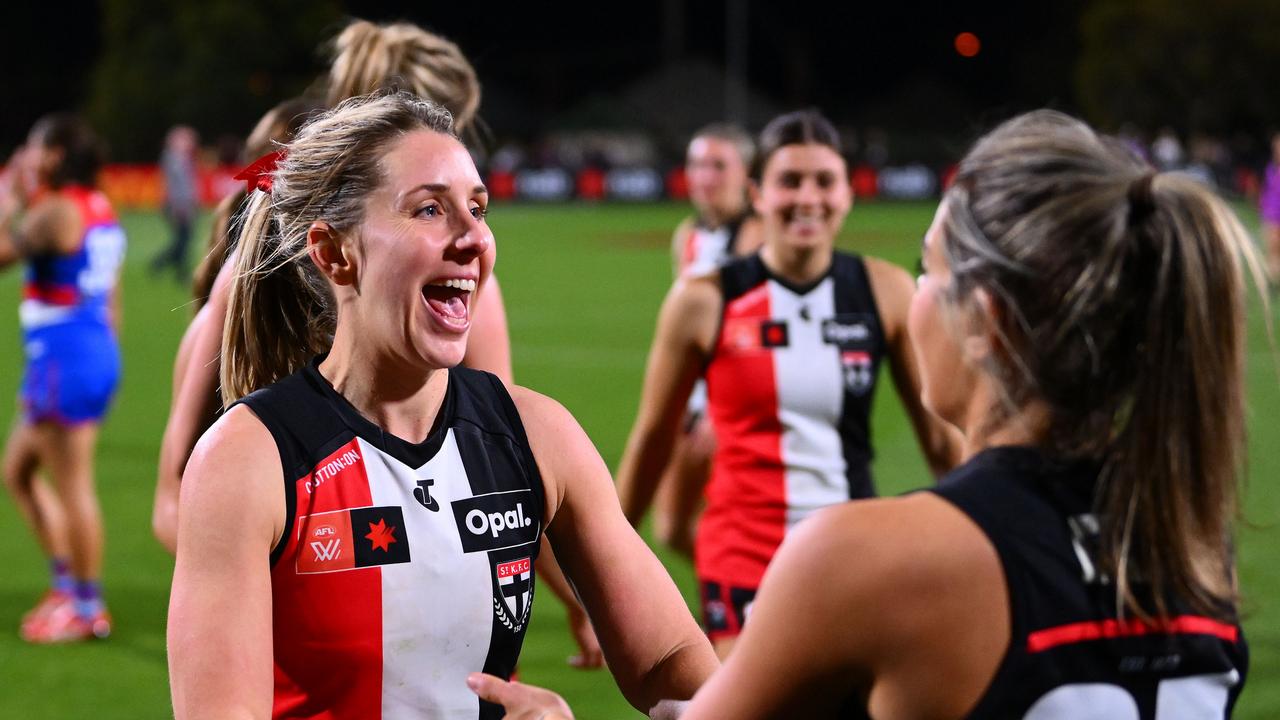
<point>219,631</point>
<point>654,648</point>
<point>893,287</point>
<point>687,323</point>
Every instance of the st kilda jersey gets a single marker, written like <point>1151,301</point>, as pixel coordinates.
<point>789,389</point>
<point>706,249</point>
<point>403,567</point>
<point>1070,654</point>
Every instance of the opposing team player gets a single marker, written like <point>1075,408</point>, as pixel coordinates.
<point>717,166</point>
<point>370,515</point>
<point>1082,318</point>
<point>791,340</point>
<point>68,236</point>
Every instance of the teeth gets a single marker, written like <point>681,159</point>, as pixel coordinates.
<point>458,284</point>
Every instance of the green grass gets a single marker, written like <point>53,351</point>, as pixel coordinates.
<point>583,284</point>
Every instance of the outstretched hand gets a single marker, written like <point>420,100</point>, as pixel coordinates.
<point>520,701</point>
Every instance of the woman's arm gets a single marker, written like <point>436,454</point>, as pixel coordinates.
<point>687,324</point>
<point>893,288</point>
<point>219,632</point>
<point>488,344</point>
<point>654,648</point>
<point>194,405</point>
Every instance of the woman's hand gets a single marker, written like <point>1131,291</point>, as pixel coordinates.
<point>521,702</point>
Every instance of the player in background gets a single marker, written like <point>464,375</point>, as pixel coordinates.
<point>1082,319</point>
<point>717,167</point>
<point>356,275</point>
<point>366,57</point>
<point>1269,209</point>
<point>55,221</point>
<point>791,340</point>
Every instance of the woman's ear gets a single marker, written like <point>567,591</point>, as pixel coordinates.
<point>753,196</point>
<point>330,253</point>
<point>984,335</point>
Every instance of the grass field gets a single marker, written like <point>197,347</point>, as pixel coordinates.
<point>583,284</point>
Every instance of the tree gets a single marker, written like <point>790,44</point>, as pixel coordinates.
<point>1195,65</point>
<point>216,65</point>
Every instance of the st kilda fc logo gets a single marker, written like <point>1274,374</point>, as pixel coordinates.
<point>352,539</point>
<point>858,374</point>
<point>513,596</point>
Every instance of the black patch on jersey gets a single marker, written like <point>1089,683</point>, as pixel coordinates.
<point>774,334</point>
<point>495,521</point>
<point>378,536</point>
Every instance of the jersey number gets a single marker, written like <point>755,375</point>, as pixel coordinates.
<point>1196,696</point>
<point>105,248</point>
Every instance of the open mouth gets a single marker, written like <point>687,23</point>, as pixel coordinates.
<point>449,301</point>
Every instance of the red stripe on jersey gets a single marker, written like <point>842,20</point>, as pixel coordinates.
<point>95,208</point>
<point>690,251</point>
<point>52,294</point>
<point>1050,638</point>
<point>327,619</point>
<point>746,513</point>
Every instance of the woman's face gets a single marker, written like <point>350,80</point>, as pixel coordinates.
<point>803,196</point>
<point>717,177</point>
<point>946,378</point>
<point>425,249</point>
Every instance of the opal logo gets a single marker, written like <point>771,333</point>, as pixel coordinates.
<point>479,523</point>
<point>497,520</point>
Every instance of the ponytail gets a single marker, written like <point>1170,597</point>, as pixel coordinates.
<point>280,312</point>
<point>1123,313</point>
<point>1169,487</point>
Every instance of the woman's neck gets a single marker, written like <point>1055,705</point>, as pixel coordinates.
<point>392,393</point>
<point>799,266</point>
<point>989,424</point>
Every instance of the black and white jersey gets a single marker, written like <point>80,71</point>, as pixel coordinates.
<point>403,567</point>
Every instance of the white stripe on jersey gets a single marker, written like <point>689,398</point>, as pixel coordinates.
<point>443,599</point>
<point>810,388</point>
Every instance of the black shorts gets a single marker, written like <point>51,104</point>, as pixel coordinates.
<point>724,608</point>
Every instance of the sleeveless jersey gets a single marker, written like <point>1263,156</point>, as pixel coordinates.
<point>403,567</point>
<point>76,287</point>
<point>1069,652</point>
<point>706,249</point>
<point>789,384</point>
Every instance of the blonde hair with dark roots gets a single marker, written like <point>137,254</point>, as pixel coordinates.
<point>1121,305</point>
<point>402,56</point>
<point>280,311</point>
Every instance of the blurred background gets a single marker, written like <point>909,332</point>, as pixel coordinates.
<point>587,109</point>
<point>596,100</point>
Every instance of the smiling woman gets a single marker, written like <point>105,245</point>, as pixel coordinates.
<point>363,466</point>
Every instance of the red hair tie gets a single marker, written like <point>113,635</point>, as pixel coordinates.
<point>260,172</point>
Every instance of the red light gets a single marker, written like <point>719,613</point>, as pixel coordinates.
<point>967,44</point>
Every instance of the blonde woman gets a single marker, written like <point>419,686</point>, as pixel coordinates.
<point>378,511</point>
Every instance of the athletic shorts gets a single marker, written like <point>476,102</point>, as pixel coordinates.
<point>724,608</point>
<point>71,373</point>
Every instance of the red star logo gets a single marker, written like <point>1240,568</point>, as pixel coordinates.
<point>775,335</point>
<point>381,536</point>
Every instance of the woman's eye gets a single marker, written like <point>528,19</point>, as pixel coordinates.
<point>431,210</point>
<point>479,213</point>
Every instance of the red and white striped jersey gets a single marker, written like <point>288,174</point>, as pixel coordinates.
<point>403,566</point>
<point>790,385</point>
<point>706,249</point>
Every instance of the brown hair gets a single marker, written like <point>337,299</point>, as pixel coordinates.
<point>802,127</point>
<point>281,310</point>
<point>401,56</point>
<point>277,127</point>
<point>82,151</point>
<point>1120,296</point>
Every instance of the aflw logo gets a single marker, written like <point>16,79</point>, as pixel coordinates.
<point>326,551</point>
